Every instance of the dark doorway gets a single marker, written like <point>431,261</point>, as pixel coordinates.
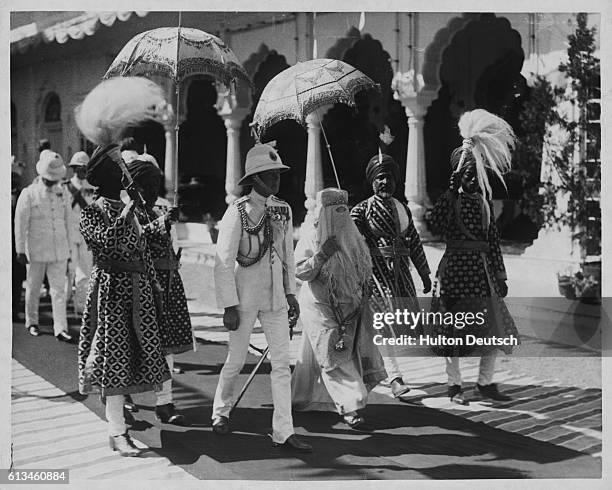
<point>290,138</point>
<point>202,154</point>
<point>353,133</point>
<point>481,68</point>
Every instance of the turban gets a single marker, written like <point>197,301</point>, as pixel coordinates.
<point>103,168</point>
<point>378,165</point>
<point>142,169</point>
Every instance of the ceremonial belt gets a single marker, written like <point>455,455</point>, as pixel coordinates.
<point>478,245</point>
<point>136,268</point>
<point>166,264</point>
<point>390,252</point>
<point>122,265</point>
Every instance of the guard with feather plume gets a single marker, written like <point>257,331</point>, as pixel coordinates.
<point>120,349</point>
<point>471,276</point>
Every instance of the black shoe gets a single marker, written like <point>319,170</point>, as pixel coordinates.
<point>64,337</point>
<point>124,444</point>
<point>220,425</point>
<point>354,421</point>
<point>398,388</point>
<point>167,414</point>
<point>455,393</point>
<point>491,391</point>
<point>129,404</point>
<point>129,418</point>
<point>33,330</point>
<point>294,444</point>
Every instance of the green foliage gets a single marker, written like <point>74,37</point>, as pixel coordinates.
<point>534,118</point>
<point>577,161</point>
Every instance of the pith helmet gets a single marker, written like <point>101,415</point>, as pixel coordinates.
<point>260,158</point>
<point>51,166</point>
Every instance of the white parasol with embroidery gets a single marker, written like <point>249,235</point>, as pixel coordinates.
<point>178,53</point>
<point>305,87</point>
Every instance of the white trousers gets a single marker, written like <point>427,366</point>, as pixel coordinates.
<point>114,415</point>
<point>389,355</point>
<point>83,263</point>
<point>345,387</point>
<point>164,396</point>
<point>276,329</point>
<point>392,367</point>
<point>485,374</point>
<point>56,273</point>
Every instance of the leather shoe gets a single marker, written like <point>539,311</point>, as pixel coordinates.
<point>129,418</point>
<point>220,425</point>
<point>491,391</point>
<point>129,404</point>
<point>124,444</point>
<point>354,420</point>
<point>294,444</point>
<point>64,337</point>
<point>33,330</point>
<point>398,388</point>
<point>167,414</point>
<point>455,393</point>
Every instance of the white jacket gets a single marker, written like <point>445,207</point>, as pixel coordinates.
<point>42,228</point>
<point>264,285</point>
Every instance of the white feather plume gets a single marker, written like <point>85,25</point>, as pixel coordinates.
<point>116,104</point>
<point>491,140</point>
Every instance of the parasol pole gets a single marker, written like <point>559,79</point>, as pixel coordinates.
<point>328,148</point>
<point>177,110</point>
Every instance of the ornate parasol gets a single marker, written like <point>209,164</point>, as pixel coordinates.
<point>178,53</point>
<point>305,87</point>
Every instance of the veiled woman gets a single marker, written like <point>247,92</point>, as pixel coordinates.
<point>338,364</point>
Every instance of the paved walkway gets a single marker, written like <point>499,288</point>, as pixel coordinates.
<point>549,429</point>
<point>567,416</point>
<point>53,430</point>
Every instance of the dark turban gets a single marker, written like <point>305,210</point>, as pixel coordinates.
<point>376,166</point>
<point>142,170</point>
<point>103,168</point>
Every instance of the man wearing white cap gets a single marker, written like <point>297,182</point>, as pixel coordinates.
<point>42,238</point>
<point>80,195</point>
<point>255,279</point>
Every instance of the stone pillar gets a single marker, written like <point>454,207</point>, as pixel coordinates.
<point>170,170</point>
<point>314,164</point>
<point>233,118</point>
<point>416,104</point>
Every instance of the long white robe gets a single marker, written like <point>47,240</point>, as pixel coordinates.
<point>325,379</point>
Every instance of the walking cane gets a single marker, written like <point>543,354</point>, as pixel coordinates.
<point>292,321</point>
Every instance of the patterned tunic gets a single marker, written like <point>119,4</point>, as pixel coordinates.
<point>175,324</point>
<point>468,273</point>
<point>120,348</point>
<point>394,241</point>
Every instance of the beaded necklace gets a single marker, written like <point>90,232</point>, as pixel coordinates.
<point>264,222</point>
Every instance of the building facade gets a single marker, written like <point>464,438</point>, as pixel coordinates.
<point>431,67</point>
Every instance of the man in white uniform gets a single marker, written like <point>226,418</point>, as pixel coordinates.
<point>42,238</point>
<point>255,279</point>
<point>80,195</point>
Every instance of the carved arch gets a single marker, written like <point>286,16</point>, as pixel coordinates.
<point>433,53</point>
<point>342,45</point>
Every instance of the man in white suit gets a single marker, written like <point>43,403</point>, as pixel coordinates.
<point>42,240</point>
<point>255,279</point>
